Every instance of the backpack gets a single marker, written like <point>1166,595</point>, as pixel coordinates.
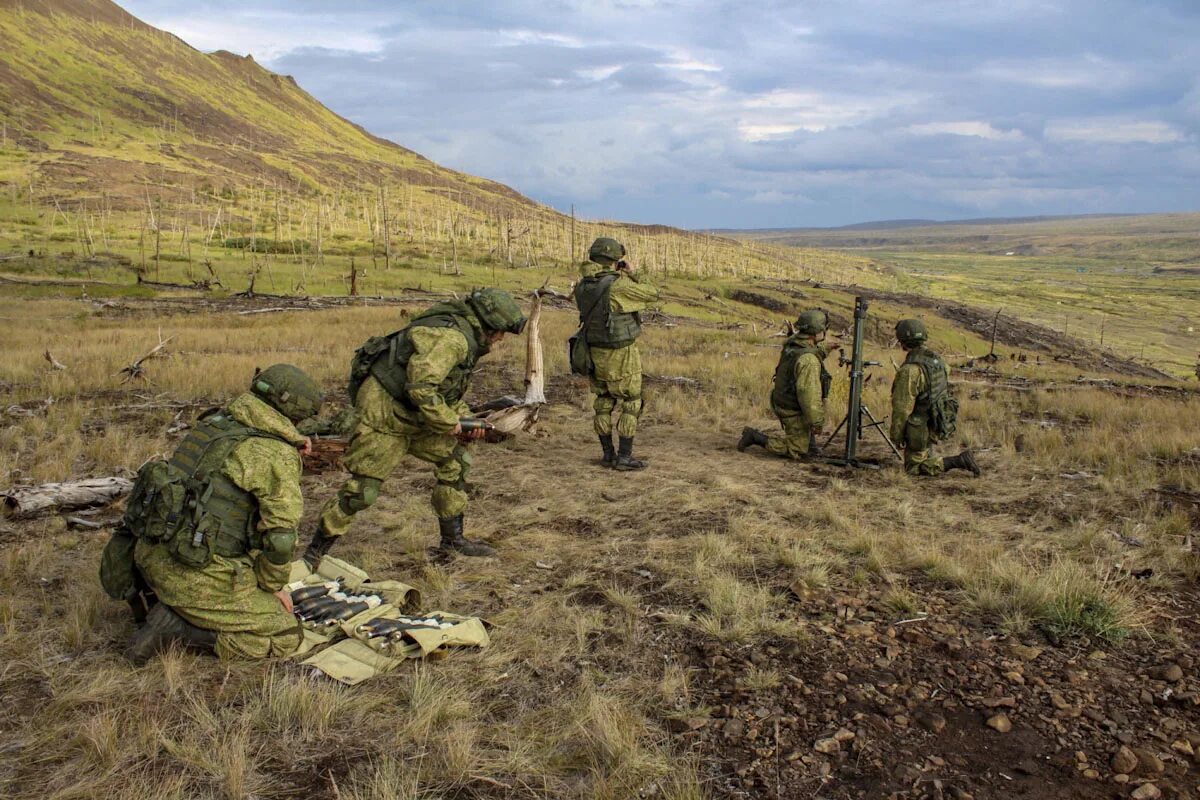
<point>936,404</point>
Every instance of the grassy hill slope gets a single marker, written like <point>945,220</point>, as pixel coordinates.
<point>118,137</point>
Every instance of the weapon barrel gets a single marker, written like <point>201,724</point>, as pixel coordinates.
<point>854,412</point>
<point>475,424</point>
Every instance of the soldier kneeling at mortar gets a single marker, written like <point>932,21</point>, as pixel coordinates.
<point>923,410</point>
<point>206,544</point>
<point>801,388</point>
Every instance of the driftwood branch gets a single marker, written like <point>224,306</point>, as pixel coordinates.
<point>25,502</point>
<point>135,370</point>
<point>54,363</point>
<point>524,415</point>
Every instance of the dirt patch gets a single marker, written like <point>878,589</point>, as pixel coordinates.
<point>874,707</point>
<point>759,300</point>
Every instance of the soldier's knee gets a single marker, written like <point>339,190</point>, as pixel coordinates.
<point>359,494</point>
<point>633,407</point>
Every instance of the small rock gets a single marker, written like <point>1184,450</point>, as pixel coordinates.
<point>1025,653</point>
<point>1124,761</point>
<point>1171,673</point>
<point>542,565</point>
<point>843,735</point>
<point>1091,774</point>
<point>1147,791</point>
<point>1183,746</point>
<point>900,720</point>
<point>1000,722</point>
<point>1058,701</point>
<point>827,746</point>
<point>1121,777</point>
<point>1015,677</point>
<point>1000,702</point>
<point>1148,763</point>
<point>734,729</point>
<point>935,723</point>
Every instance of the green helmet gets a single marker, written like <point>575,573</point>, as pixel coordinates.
<point>289,390</point>
<point>497,310</point>
<point>911,332</point>
<point>606,251</point>
<point>812,322</point>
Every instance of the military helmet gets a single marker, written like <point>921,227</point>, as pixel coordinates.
<point>497,310</point>
<point>812,322</point>
<point>606,250</point>
<point>289,390</point>
<point>911,332</point>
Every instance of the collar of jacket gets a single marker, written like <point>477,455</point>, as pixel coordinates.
<point>256,413</point>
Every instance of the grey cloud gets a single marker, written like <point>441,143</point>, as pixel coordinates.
<point>737,113</point>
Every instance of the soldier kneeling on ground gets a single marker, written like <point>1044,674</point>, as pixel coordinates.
<point>801,388</point>
<point>923,409</point>
<point>206,544</point>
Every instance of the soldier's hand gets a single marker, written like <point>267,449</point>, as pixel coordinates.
<point>306,448</point>
<point>457,430</point>
<point>285,599</point>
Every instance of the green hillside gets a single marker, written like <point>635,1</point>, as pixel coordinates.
<point>116,137</point>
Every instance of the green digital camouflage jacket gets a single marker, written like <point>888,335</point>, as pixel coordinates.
<point>270,470</point>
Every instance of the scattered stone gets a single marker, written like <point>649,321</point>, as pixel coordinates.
<point>843,735</point>
<point>828,746</point>
<point>1124,761</point>
<point>1000,722</point>
<point>1091,774</point>
<point>1183,746</point>
<point>1171,673</point>
<point>935,723</point>
<point>1147,791</point>
<point>1025,653</point>
<point>1148,763</point>
<point>1000,702</point>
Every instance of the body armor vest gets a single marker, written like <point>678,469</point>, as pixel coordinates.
<point>783,397</point>
<point>389,355</point>
<point>935,380</point>
<point>601,326</point>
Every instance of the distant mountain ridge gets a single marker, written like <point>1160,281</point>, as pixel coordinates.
<point>94,101</point>
<point>898,224</point>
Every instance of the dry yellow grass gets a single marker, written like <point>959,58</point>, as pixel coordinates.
<point>571,701</point>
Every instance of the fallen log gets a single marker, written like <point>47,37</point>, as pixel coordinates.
<point>524,416</point>
<point>32,501</point>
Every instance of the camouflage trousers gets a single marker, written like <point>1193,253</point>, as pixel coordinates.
<point>918,452</point>
<point>617,387</point>
<point>383,437</point>
<point>224,597</point>
<point>795,440</point>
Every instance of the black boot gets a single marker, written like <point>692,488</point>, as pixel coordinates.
<point>750,438</point>
<point>453,539</point>
<point>164,628</point>
<point>625,460</point>
<point>610,454</point>
<point>963,460</point>
<point>318,547</point>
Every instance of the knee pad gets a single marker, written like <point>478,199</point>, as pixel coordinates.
<point>359,494</point>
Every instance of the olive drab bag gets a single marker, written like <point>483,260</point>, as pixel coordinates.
<point>187,503</point>
<point>936,404</point>
<point>118,572</point>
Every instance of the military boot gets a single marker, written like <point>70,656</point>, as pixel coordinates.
<point>318,547</point>
<point>625,461</point>
<point>453,539</point>
<point>164,628</point>
<point>963,460</point>
<point>750,438</point>
<point>610,454</point>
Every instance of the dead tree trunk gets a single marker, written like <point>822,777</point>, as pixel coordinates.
<point>23,503</point>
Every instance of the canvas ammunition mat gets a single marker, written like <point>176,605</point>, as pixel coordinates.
<point>380,638</point>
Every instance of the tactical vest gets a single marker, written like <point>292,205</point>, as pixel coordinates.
<point>187,502</point>
<point>386,357</point>
<point>935,380</point>
<point>601,326</point>
<point>783,396</point>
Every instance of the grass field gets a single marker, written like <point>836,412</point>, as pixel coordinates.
<point>1129,284</point>
<point>598,683</point>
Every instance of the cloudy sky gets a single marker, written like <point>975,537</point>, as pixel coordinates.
<point>757,113</point>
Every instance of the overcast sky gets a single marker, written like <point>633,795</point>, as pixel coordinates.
<point>758,113</point>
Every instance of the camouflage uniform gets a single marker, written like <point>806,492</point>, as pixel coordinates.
<point>908,431</point>
<point>418,419</point>
<point>796,439</point>
<point>915,403</point>
<point>616,378</point>
<point>234,596</point>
